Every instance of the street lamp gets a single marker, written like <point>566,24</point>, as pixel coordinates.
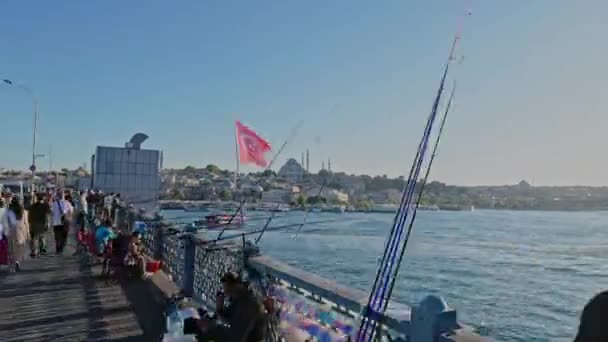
<point>35,103</point>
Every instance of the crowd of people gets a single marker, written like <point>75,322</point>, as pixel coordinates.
<point>28,219</point>
<point>31,219</point>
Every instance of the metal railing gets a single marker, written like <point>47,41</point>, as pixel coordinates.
<point>196,267</point>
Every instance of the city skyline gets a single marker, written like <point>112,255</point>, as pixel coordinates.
<point>529,104</point>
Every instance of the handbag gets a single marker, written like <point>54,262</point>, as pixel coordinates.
<point>4,250</point>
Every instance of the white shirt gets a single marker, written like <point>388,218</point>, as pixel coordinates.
<point>83,203</point>
<point>57,211</point>
<point>108,201</point>
<point>3,221</point>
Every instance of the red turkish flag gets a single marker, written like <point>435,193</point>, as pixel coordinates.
<point>251,146</point>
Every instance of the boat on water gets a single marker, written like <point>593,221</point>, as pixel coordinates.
<point>431,207</point>
<point>384,208</point>
<point>220,221</point>
<point>281,208</point>
<point>271,207</point>
<point>191,207</point>
<point>455,207</point>
<point>392,208</point>
<point>339,209</point>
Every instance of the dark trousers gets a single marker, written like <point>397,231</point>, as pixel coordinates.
<point>61,236</point>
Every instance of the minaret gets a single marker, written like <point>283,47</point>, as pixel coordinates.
<point>328,164</point>
<point>307,161</point>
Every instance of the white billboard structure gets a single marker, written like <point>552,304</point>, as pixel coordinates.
<point>132,172</point>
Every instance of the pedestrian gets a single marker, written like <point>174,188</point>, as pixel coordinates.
<point>18,232</point>
<point>38,219</point>
<point>61,212</point>
<point>107,202</point>
<point>84,205</point>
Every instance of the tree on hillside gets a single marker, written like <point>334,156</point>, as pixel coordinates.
<point>189,169</point>
<point>301,201</point>
<point>212,168</point>
<point>315,200</point>
<point>225,195</point>
<point>323,174</point>
<point>364,204</point>
<point>268,173</point>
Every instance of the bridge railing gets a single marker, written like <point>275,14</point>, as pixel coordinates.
<point>316,306</point>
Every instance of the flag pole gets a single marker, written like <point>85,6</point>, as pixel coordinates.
<point>238,162</point>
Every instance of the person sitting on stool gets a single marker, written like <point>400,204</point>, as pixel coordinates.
<point>244,316</point>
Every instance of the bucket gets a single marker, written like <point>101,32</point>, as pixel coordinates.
<point>153,266</point>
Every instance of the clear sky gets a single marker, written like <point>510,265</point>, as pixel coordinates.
<point>531,101</point>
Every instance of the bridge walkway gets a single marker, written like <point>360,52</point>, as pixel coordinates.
<point>64,298</point>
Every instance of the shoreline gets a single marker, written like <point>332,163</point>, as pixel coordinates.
<point>228,205</point>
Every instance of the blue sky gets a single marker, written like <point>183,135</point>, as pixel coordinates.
<point>361,74</point>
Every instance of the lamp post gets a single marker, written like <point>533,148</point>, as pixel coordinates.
<point>35,103</point>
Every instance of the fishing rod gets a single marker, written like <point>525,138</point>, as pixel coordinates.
<point>376,298</point>
<point>394,234</point>
<point>277,228</point>
<point>257,240</point>
<point>421,195</point>
<point>193,219</point>
<point>308,210</point>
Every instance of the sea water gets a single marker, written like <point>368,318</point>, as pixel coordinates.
<point>518,276</point>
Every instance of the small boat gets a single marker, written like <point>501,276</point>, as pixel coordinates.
<point>281,208</point>
<point>339,209</point>
<point>220,220</point>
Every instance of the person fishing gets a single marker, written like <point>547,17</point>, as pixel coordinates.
<point>18,232</point>
<point>103,241</point>
<point>135,257</point>
<point>103,235</point>
<point>245,315</point>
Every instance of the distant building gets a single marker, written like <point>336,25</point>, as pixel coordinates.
<point>331,195</point>
<point>387,196</point>
<point>350,184</point>
<point>276,196</point>
<point>292,170</point>
<point>192,182</point>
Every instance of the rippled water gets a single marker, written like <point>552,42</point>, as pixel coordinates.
<point>522,276</point>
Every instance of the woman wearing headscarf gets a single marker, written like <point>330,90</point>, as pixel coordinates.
<point>18,232</point>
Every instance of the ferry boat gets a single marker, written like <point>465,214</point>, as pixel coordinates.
<point>191,207</point>
<point>220,220</point>
<point>271,207</point>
